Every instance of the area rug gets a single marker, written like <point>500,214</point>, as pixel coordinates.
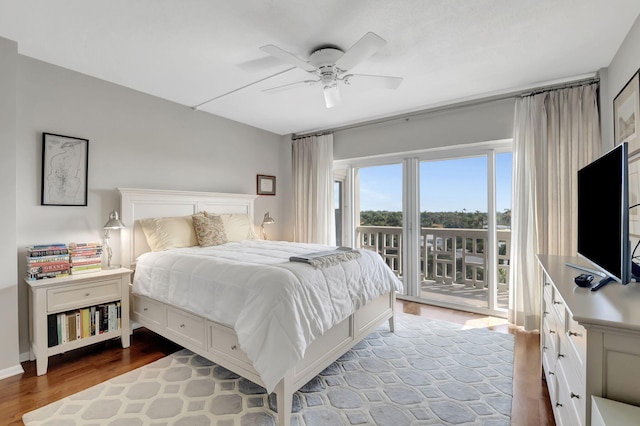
<point>426,373</point>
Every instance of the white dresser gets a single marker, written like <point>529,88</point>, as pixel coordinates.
<point>589,341</point>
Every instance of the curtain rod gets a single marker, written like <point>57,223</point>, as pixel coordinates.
<point>560,86</point>
<point>486,100</point>
<point>304,135</point>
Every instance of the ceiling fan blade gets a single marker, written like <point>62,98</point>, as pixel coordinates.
<point>365,47</point>
<point>290,86</point>
<point>372,81</point>
<point>331,95</point>
<point>287,57</point>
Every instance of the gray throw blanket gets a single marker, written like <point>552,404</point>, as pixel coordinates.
<point>323,259</point>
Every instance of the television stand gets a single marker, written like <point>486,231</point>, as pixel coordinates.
<point>602,283</point>
<point>584,268</point>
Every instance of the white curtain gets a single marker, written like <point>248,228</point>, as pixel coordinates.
<point>314,214</point>
<point>555,134</point>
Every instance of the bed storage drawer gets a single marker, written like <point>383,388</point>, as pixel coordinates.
<point>148,310</point>
<point>224,341</point>
<point>186,326</point>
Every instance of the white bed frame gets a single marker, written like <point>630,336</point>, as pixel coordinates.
<point>215,341</point>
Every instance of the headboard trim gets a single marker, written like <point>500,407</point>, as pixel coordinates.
<point>137,203</point>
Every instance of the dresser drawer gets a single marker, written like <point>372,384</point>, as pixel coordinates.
<point>558,306</point>
<point>571,392</point>
<point>565,407</point>
<point>577,337</point>
<point>223,340</point>
<point>81,295</point>
<point>149,310</point>
<point>186,326</point>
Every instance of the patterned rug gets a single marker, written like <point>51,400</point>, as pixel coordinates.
<point>426,373</point>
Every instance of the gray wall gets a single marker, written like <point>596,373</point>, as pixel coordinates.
<point>624,64</point>
<point>9,362</point>
<point>135,141</point>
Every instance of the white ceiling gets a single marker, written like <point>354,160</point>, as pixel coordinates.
<point>189,51</point>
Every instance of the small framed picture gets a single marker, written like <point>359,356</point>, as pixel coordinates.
<point>65,170</point>
<point>266,185</point>
<point>626,115</point>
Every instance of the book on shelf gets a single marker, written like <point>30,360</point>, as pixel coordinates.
<point>82,323</point>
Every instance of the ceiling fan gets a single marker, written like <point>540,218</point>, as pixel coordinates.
<point>330,66</point>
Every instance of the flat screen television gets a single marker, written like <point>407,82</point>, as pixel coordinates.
<point>603,215</point>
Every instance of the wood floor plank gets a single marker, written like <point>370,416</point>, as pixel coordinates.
<point>74,371</point>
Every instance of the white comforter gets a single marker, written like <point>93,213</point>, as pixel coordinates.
<point>276,307</point>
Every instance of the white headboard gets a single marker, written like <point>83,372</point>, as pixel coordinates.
<point>136,204</point>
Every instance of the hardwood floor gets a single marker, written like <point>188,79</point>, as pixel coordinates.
<point>77,370</point>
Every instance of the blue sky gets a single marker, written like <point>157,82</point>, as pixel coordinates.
<point>448,185</point>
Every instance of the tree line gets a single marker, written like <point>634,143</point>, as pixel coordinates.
<point>463,219</point>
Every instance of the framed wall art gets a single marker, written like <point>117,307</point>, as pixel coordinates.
<point>65,170</point>
<point>266,185</point>
<point>626,115</point>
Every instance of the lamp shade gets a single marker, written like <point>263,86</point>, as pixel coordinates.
<point>114,221</point>
<point>268,219</point>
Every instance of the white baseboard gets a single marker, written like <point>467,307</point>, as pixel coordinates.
<point>11,371</point>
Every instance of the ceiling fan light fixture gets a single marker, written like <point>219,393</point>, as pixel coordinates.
<point>331,95</point>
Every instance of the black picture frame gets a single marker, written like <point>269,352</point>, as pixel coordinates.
<point>65,170</point>
<point>626,115</point>
<point>266,185</point>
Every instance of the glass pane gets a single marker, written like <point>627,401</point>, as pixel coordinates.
<point>379,212</point>
<point>337,193</point>
<point>503,221</point>
<point>453,214</point>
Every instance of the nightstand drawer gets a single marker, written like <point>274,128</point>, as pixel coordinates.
<point>186,326</point>
<point>70,297</point>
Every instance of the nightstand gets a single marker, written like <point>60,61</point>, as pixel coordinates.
<point>74,295</point>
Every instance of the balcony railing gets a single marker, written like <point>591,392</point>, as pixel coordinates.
<point>447,255</point>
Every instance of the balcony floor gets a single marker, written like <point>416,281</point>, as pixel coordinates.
<point>459,294</point>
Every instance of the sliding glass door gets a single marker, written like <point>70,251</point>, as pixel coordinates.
<point>441,221</point>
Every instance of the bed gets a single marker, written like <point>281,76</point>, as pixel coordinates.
<point>284,355</point>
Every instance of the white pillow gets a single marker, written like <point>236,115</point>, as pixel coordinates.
<point>164,233</point>
<point>237,226</point>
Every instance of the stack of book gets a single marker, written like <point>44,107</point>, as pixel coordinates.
<point>85,257</point>
<point>47,261</point>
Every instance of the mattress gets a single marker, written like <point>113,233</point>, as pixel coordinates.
<point>276,307</point>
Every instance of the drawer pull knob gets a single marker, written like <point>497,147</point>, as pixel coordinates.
<point>573,395</point>
<point>87,294</point>
<point>234,347</point>
<point>552,331</point>
<point>551,373</point>
<point>544,348</point>
<point>555,302</point>
<point>558,404</point>
<point>545,313</point>
<point>145,309</point>
<point>547,284</point>
<point>560,355</point>
<point>573,333</point>
<point>181,325</point>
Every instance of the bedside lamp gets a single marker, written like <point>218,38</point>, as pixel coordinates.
<point>114,222</point>
<point>266,221</point>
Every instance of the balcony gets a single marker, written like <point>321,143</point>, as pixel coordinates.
<point>453,262</point>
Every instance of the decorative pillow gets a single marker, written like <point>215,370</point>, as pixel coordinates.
<point>209,230</point>
<point>164,233</point>
<point>237,226</point>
